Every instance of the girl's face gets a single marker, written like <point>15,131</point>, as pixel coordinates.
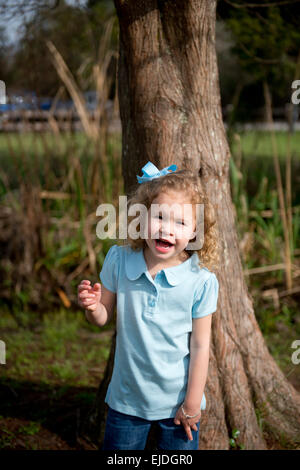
<point>171,225</point>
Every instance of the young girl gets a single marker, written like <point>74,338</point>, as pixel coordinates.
<point>165,294</point>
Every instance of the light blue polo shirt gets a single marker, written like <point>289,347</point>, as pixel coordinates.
<point>154,323</point>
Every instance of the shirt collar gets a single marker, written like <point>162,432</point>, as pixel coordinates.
<point>136,265</point>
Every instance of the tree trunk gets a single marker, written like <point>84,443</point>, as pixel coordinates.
<point>171,113</point>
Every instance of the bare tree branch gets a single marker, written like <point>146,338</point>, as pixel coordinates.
<point>31,4</point>
<point>257,59</point>
<point>25,7</point>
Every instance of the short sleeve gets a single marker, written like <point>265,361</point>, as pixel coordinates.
<point>207,298</point>
<point>109,272</point>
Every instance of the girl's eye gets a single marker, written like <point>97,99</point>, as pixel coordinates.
<point>181,222</point>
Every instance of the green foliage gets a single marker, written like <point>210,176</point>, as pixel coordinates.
<point>63,371</point>
<point>264,42</point>
<point>67,165</point>
<point>57,329</point>
<point>254,194</point>
<point>7,438</point>
<point>31,429</point>
<point>61,346</point>
<point>261,46</point>
<point>57,351</point>
<point>233,440</point>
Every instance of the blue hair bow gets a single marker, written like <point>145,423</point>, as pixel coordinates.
<point>150,172</point>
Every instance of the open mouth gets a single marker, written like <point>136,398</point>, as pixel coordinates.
<point>163,245</point>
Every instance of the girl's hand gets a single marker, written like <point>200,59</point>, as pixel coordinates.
<point>187,423</point>
<point>89,297</point>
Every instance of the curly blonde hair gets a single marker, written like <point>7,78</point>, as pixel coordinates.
<point>183,181</point>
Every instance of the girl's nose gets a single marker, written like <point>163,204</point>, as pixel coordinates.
<point>167,229</point>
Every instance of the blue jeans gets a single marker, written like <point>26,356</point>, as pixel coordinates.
<point>127,432</point>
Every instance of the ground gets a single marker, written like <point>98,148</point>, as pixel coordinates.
<point>42,404</point>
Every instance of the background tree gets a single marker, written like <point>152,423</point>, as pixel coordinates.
<point>75,29</point>
<point>66,27</point>
<point>4,52</point>
<point>266,42</point>
<point>171,112</point>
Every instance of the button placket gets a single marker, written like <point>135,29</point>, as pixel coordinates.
<point>152,301</point>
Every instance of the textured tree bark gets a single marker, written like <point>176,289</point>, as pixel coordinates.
<point>171,113</point>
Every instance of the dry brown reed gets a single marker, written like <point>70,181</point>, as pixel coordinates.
<point>280,190</point>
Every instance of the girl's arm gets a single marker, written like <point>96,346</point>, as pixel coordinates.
<point>199,358</point>
<point>105,309</point>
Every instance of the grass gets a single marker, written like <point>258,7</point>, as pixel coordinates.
<point>51,374</point>
<point>27,156</point>
<point>258,144</point>
<point>55,359</point>
<point>61,350</point>
<point>280,328</point>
